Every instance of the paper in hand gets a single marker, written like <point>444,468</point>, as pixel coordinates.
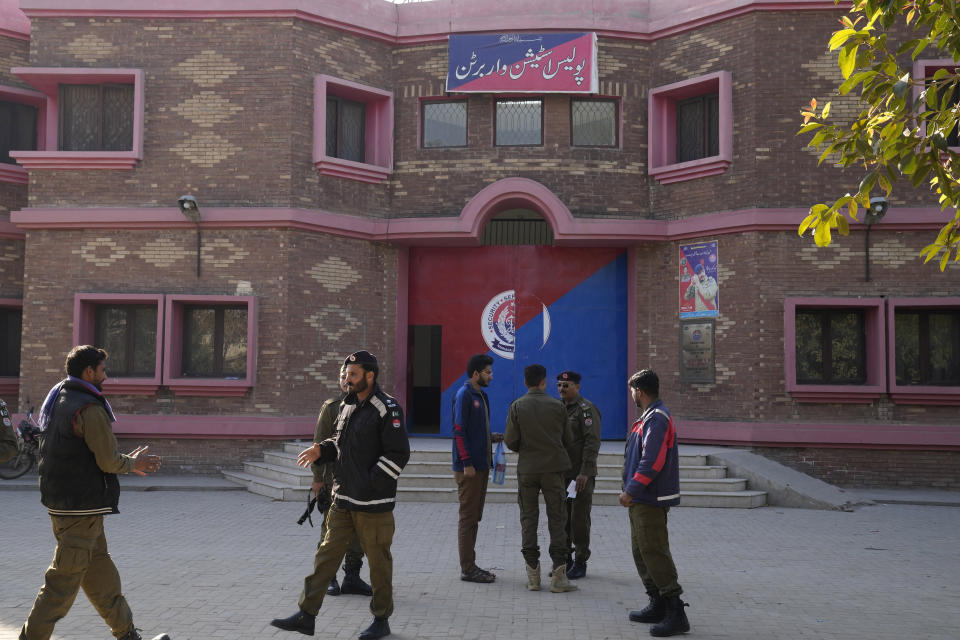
<point>572,489</point>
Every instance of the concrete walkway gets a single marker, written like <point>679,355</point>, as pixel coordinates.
<point>221,564</point>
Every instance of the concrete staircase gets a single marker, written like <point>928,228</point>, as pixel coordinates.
<point>428,478</point>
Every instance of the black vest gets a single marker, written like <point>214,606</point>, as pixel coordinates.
<point>71,483</point>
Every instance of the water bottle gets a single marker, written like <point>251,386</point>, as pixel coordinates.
<point>499,465</point>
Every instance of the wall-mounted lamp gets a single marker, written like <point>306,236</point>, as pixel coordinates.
<point>873,215</point>
<point>191,211</point>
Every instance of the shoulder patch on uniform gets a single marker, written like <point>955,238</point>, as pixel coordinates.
<point>378,403</point>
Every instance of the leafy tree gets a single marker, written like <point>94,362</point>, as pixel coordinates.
<point>898,132</point>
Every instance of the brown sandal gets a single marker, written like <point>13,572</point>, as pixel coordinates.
<point>478,575</point>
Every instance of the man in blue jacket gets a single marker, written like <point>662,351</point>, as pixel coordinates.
<point>651,485</point>
<point>472,460</point>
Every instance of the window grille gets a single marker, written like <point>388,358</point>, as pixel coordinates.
<point>593,123</point>
<point>519,122</point>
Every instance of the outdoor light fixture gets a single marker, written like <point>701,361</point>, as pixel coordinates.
<point>873,215</point>
<point>191,211</point>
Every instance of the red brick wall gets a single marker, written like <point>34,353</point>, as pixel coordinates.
<point>758,271</point>
<point>869,468</point>
<point>201,455</point>
<point>309,316</point>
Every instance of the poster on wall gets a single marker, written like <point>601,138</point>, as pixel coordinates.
<point>696,351</point>
<point>523,63</point>
<point>699,291</point>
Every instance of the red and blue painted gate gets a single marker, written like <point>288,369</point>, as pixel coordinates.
<point>564,308</point>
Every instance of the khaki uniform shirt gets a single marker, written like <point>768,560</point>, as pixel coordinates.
<point>326,422</point>
<point>538,430</point>
<point>584,419</point>
<point>93,425</point>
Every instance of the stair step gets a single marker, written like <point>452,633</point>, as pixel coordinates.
<point>429,478</point>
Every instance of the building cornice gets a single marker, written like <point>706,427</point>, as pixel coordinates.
<point>433,21</point>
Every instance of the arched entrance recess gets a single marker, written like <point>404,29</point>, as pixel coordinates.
<point>564,307</point>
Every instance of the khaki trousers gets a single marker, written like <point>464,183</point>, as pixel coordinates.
<point>551,485</point>
<point>651,550</point>
<point>80,561</point>
<point>578,521</point>
<point>375,532</point>
<point>353,560</point>
<point>472,493</point>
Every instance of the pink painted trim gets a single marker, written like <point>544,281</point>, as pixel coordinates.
<point>402,324</point>
<point>662,129</point>
<point>10,231</point>
<point>378,132</point>
<point>466,229</point>
<point>47,80</point>
<point>879,435</point>
<point>13,174</point>
<point>876,384</point>
<point>917,394</point>
<point>13,23</point>
<point>173,348</point>
<point>433,21</point>
<point>216,427</point>
<point>84,315</point>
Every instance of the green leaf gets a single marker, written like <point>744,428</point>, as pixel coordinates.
<point>822,235</point>
<point>811,220</point>
<point>848,60</point>
<point>852,209</point>
<point>854,80</point>
<point>930,97</point>
<point>920,47</point>
<point>840,37</point>
<point>900,88</point>
<point>843,226</point>
<point>810,126</point>
<point>943,260</point>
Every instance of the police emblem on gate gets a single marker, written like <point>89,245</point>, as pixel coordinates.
<point>497,324</point>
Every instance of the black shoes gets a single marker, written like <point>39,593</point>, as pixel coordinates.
<point>334,588</point>
<point>301,621</point>
<point>353,584</point>
<point>134,634</point>
<point>379,629</point>
<point>577,570</point>
<point>674,621</point>
<point>653,612</point>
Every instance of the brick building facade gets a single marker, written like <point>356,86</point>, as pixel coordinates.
<point>319,253</point>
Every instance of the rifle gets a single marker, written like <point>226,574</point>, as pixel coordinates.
<point>318,503</point>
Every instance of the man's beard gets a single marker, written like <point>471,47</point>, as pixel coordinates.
<point>360,386</point>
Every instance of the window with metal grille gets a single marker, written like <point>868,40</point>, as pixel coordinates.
<point>444,124</point>
<point>830,346</point>
<point>10,321</point>
<point>517,231</point>
<point>519,122</point>
<point>129,334</point>
<point>927,346</point>
<point>96,117</point>
<point>345,129</point>
<point>18,129</point>
<point>593,123</point>
<point>698,121</point>
<point>214,341</point>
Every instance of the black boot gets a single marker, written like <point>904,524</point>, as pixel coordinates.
<point>334,588</point>
<point>577,570</point>
<point>674,622</point>
<point>653,612</point>
<point>300,621</point>
<point>352,583</point>
<point>379,629</point>
<point>134,634</point>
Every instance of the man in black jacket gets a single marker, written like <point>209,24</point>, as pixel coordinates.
<point>369,450</point>
<point>79,460</point>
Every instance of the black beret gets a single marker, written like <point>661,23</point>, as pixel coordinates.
<point>360,357</point>
<point>569,376</point>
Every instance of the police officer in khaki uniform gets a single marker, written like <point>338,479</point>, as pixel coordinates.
<point>322,481</point>
<point>584,419</point>
<point>537,429</point>
<point>79,460</point>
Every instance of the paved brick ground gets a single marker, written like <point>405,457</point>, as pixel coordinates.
<point>222,564</point>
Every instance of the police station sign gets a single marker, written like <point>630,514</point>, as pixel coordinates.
<point>523,63</point>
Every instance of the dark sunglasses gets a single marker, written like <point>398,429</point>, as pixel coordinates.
<point>563,385</point>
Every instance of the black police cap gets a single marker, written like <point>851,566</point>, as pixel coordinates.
<point>569,376</point>
<point>360,357</point>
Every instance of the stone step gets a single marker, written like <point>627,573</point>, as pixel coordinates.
<point>428,478</point>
